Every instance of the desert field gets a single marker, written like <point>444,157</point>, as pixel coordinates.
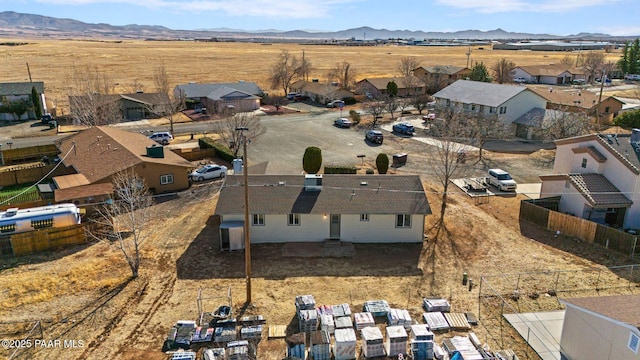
<point>131,64</point>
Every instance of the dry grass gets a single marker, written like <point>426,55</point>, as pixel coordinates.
<point>130,62</point>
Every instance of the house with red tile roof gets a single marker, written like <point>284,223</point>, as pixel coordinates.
<point>597,178</point>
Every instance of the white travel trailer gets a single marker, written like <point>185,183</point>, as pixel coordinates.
<point>16,220</point>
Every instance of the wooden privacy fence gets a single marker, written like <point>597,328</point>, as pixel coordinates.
<point>27,154</point>
<point>41,240</point>
<point>193,154</point>
<point>579,228</point>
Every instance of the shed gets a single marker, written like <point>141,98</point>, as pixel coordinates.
<point>232,235</point>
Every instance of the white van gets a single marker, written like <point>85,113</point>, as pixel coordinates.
<point>502,180</point>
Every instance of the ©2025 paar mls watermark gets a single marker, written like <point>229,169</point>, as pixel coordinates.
<point>42,344</point>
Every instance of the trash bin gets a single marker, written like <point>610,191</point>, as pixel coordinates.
<point>399,159</point>
<point>53,124</point>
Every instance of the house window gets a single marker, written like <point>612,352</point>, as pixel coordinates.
<point>584,163</point>
<point>634,342</point>
<point>473,107</point>
<point>294,220</point>
<point>492,110</point>
<point>467,107</point>
<point>258,220</point>
<point>364,217</point>
<point>42,223</point>
<point>503,109</point>
<point>166,179</point>
<point>403,220</point>
<point>606,110</point>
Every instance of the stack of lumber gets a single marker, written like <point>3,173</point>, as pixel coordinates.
<point>307,320</point>
<point>327,323</point>
<point>399,317</point>
<point>422,342</point>
<point>436,305</point>
<point>305,302</point>
<point>363,320</point>
<point>463,345</point>
<point>341,310</point>
<point>457,321</point>
<point>376,307</point>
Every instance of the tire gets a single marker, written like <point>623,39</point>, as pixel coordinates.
<point>165,142</point>
<point>222,175</point>
<point>200,178</point>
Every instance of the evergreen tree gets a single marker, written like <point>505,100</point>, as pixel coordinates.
<point>312,160</point>
<point>392,89</point>
<point>35,98</point>
<point>479,72</point>
<point>382,163</point>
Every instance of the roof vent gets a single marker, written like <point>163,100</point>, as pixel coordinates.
<point>313,182</point>
<point>363,183</point>
<point>281,183</point>
<point>155,151</point>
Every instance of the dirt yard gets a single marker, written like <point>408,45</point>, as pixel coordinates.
<point>83,293</point>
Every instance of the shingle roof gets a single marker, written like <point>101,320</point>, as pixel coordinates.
<point>623,308</point>
<point>21,88</point>
<point>321,89</point>
<point>203,90</point>
<point>340,194</point>
<point>598,190</point>
<point>83,191</point>
<point>143,98</point>
<point>580,98</point>
<point>550,70</point>
<point>480,93</point>
<point>227,93</point>
<point>444,69</point>
<point>103,151</point>
<point>381,83</point>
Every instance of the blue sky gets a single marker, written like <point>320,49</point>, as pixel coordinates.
<point>559,17</point>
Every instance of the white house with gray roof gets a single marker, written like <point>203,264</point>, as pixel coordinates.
<point>240,96</point>
<point>507,102</point>
<point>18,91</point>
<point>597,177</point>
<point>315,208</point>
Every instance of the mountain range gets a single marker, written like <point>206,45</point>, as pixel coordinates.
<point>14,24</point>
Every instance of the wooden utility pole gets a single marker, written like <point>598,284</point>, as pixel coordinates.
<point>247,238</point>
<point>29,71</point>
<point>602,79</point>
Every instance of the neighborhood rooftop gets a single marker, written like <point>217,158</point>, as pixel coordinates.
<point>481,93</point>
<point>623,308</point>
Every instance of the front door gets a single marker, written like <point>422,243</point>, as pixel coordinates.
<point>334,226</point>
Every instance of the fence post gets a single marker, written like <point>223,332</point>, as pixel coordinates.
<point>633,250</point>
<point>480,296</point>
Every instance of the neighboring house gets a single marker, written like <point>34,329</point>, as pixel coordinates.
<point>320,93</point>
<point>439,76</point>
<point>601,327</point>
<point>105,109</point>
<point>314,208</point>
<point>241,96</point>
<point>100,152</point>
<point>20,91</point>
<point>582,101</point>
<point>377,87</point>
<point>545,124</point>
<point>549,74</point>
<point>507,102</point>
<point>76,189</point>
<point>598,178</point>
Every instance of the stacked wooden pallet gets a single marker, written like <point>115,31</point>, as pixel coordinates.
<point>363,320</point>
<point>399,317</point>
<point>457,321</point>
<point>327,323</point>
<point>463,345</point>
<point>305,302</point>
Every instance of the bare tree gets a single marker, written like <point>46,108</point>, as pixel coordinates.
<point>135,86</point>
<point>284,71</point>
<point>420,102</point>
<point>233,137</point>
<point>502,70</point>
<point>593,63</point>
<point>483,129</point>
<point>92,100</point>
<point>403,104</point>
<point>568,60</point>
<point>560,124</point>
<point>375,108</point>
<point>391,105</point>
<point>275,100</point>
<point>405,68</point>
<point>124,219</point>
<point>305,67</point>
<point>445,159</point>
<point>435,81</point>
<point>166,103</point>
<point>344,73</point>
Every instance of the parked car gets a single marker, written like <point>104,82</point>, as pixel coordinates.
<point>46,118</point>
<point>632,77</point>
<point>335,104</point>
<point>161,137</point>
<point>300,97</point>
<point>404,128</point>
<point>429,117</point>
<point>520,80</point>
<point>291,95</point>
<point>211,171</point>
<point>374,136</point>
<point>502,180</point>
<point>343,122</point>
<point>579,81</point>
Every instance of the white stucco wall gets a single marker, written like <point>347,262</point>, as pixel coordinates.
<point>315,228</point>
<point>588,336</point>
<point>520,104</point>
<point>571,200</point>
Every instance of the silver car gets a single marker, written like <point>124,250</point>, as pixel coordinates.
<point>206,172</point>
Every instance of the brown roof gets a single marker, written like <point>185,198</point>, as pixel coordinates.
<point>321,89</point>
<point>68,181</point>
<point>550,70</point>
<point>623,308</point>
<point>83,191</point>
<point>597,155</point>
<point>144,98</point>
<point>445,69</point>
<point>599,191</point>
<point>574,97</point>
<point>340,194</point>
<point>381,83</point>
<point>103,151</point>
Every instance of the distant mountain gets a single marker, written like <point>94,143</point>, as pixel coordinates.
<point>29,25</point>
